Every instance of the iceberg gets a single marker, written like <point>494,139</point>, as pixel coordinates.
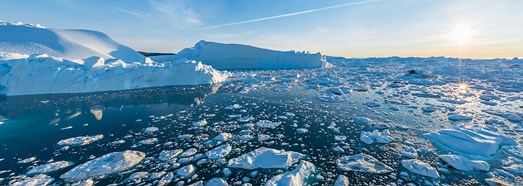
<point>471,141</point>
<point>266,158</point>
<point>41,74</point>
<point>464,164</point>
<point>236,56</point>
<point>80,140</point>
<point>50,167</point>
<point>107,164</point>
<point>62,43</point>
<point>219,152</point>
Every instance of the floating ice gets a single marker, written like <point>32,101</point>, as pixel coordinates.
<point>266,158</point>
<point>50,167</point>
<point>362,163</point>
<point>189,152</point>
<point>471,141</point>
<point>380,137</point>
<point>216,182</point>
<point>342,181</point>
<point>301,131</point>
<point>38,180</point>
<point>409,152</point>
<point>513,117</point>
<point>299,176</point>
<point>150,129</point>
<point>267,124</point>
<point>186,171</point>
<point>219,152</point>
<point>81,140</point>
<point>200,123</point>
<point>107,164</point>
<point>169,155</point>
<point>420,167</point>
<point>27,160</point>
<point>464,164</point>
<point>457,117</point>
<point>363,121</point>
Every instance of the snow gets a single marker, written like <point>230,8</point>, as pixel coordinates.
<point>465,164</point>
<point>297,177</point>
<point>45,75</point>
<point>471,141</point>
<point>186,171</point>
<point>81,140</point>
<point>265,158</point>
<point>50,167</point>
<point>107,164</point>
<point>63,43</point>
<point>38,180</point>
<point>219,152</point>
<point>420,167</point>
<point>342,181</point>
<point>362,163</point>
<point>236,56</point>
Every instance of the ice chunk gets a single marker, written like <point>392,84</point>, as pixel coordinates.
<point>38,180</point>
<point>342,181</point>
<point>457,117</point>
<point>380,137</point>
<point>409,152</point>
<point>186,171</point>
<point>299,176</point>
<point>107,164</point>
<point>81,140</point>
<point>266,158</point>
<point>267,124</point>
<point>362,163</point>
<point>150,129</point>
<point>27,160</point>
<point>471,141</point>
<point>301,131</point>
<point>189,152</point>
<point>420,167</point>
<point>219,152</point>
<point>464,164</point>
<point>200,123</point>
<point>50,167</point>
<point>217,182</point>
<point>363,121</point>
<point>169,155</point>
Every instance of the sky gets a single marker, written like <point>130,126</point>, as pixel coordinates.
<point>349,28</point>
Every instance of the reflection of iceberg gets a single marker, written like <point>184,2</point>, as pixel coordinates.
<point>97,113</point>
<point>16,106</point>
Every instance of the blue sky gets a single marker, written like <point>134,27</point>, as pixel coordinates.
<point>351,28</point>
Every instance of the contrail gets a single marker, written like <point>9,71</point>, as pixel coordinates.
<point>290,14</point>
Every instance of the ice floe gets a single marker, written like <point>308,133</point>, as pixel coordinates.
<point>219,152</point>
<point>471,141</point>
<point>420,167</point>
<point>80,140</point>
<point>104,165</point>
<point>376,136</point>
<point>363,163</point>
<point>266,158</point>
<point>465,164</point>
<point>50,167</point>
<point>299,176</point>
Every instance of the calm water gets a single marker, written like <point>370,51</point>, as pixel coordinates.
<point>34,124</point>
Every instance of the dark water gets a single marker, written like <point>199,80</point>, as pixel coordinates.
<point>34,124</point>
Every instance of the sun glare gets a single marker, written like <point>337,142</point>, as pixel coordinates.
<point>461,33</point>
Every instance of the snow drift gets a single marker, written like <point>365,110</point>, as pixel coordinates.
<point>236,56</point>
<point>41,74</point>
<point>63,43</point>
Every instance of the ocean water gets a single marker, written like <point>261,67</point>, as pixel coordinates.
<point>33,125</point>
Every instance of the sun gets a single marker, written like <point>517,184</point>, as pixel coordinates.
<point>461,33</point>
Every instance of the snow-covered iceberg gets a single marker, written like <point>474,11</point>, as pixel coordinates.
<point>236,56</point>
<point>62,43</point>
<point>296,177</point>
<point>41,74</point>
<point>266,158</point>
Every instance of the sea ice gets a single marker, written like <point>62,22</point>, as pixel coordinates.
<point>297,177</point>
<point>37,180</point>
<point>107,164</point>
<point>219,152</point>
<point>186,171</point>
<point>464,164</point>
<point>81,140</point>
<point>267,124</point>
<point>380,137</point>
<point>362,163</point>
<point>169,155</point>
<point>50,167</point>
<point>420,167</point>
<point>342,181</point>
<point>266,158</point>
